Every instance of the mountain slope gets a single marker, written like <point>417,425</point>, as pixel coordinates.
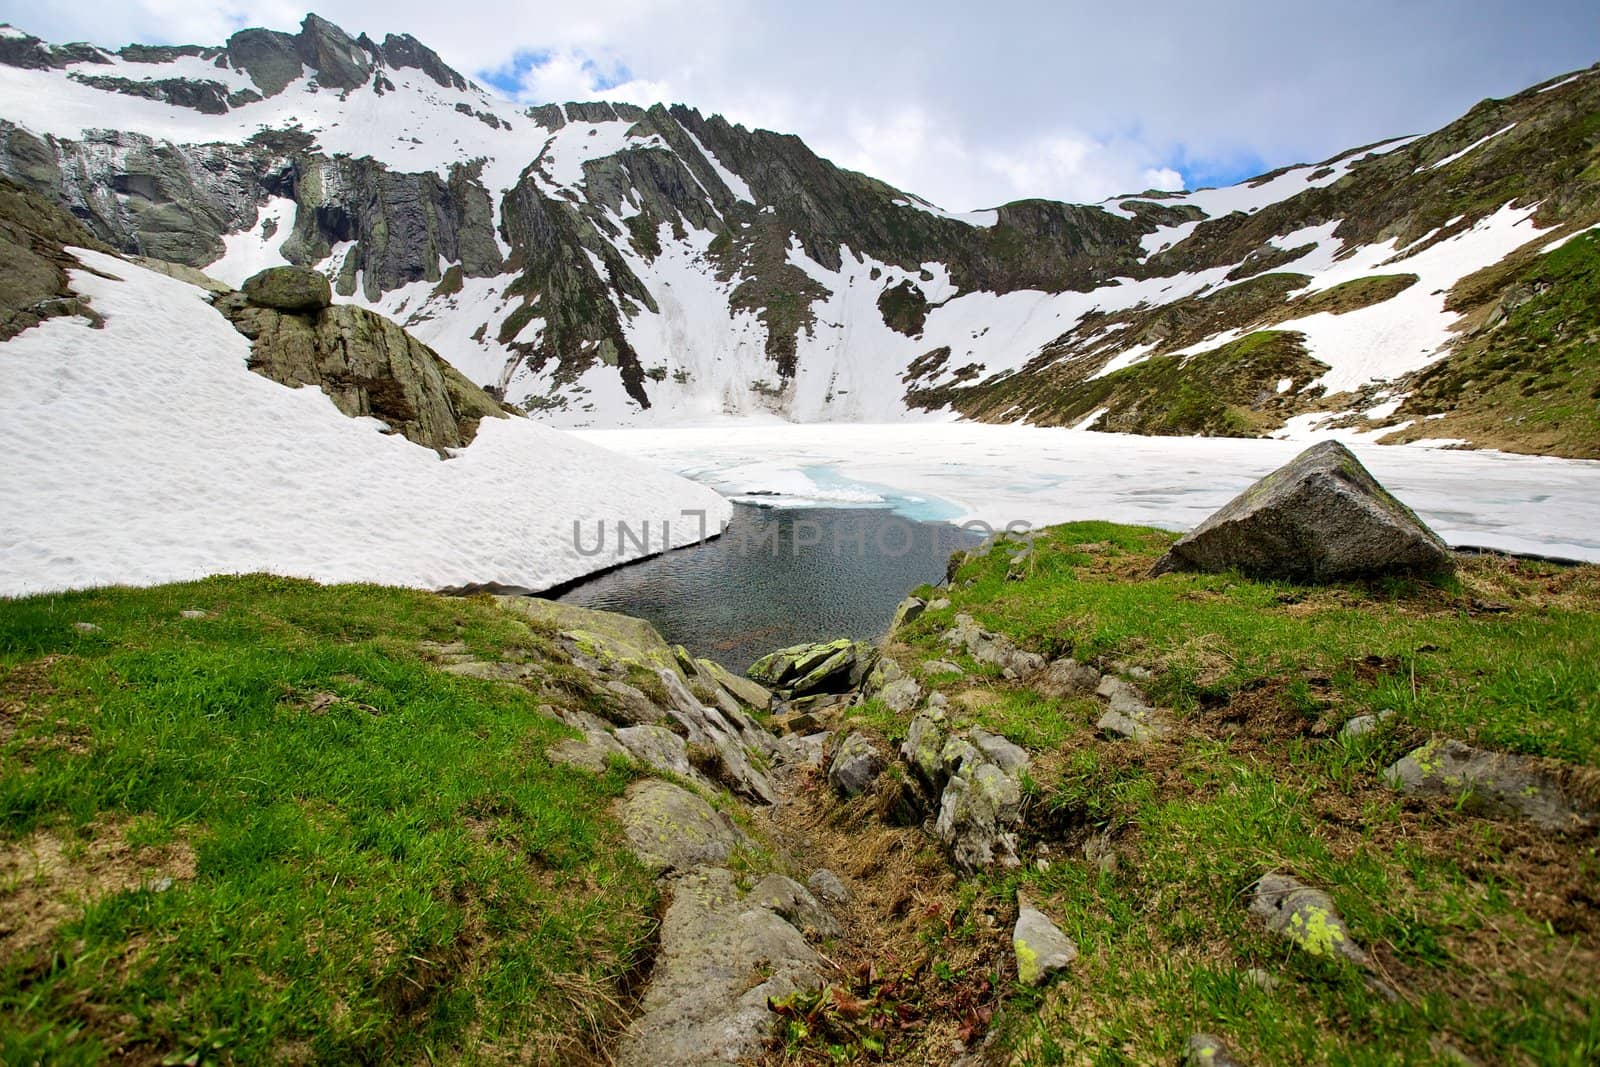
<point>602,263</point>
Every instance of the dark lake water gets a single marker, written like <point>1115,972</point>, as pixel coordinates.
<point>780,576</point>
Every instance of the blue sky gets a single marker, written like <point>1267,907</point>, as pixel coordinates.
<point>969,105</point>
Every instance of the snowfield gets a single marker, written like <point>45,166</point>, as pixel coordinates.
<point>1001,474</point>
<point>146,452</point>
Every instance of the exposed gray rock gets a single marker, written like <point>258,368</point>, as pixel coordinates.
<point>1361,725</point>
<point>629,706</point>
<point>795,903</point>
<point>1122,696</point>
<point>722,958</point>
<point>855,766</point>
<point>1321,517</point>
<point>978,812</point>
<point>751,694</point>
<point>733,737</point>
<point>902,695</point>
<point>938,604</point>
<point>941,666</point>
<point>1041,948</point>
<point>1306,916</point>
<point>289,289</point>
<point>191,613</point>
<point>910,609</point>
<point>589,754</point>
<point>657,748</point>
<point>1207,1050</point>
<point>802,751</point>
<point>805,670</point>
<point>671,829</point>
<point>1002,753</point>
<point>923,750</point>
<point>827,885</point>
<point>1065,679</point>
<point>988,647</point>
<point>1139,728</point>
<point>1494,783</point>
<point>492,670</point>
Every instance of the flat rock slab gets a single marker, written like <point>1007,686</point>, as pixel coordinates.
<point>1494,783</point>
<point>1041,948</point>
<point>722,957</point>
<point>1322,517</point>
<point>671,829</point>
<point>856,765</point>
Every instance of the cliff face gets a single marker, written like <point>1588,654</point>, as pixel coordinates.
<point>604,263</point>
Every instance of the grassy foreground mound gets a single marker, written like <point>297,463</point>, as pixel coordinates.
<point>1487,930</point>
<point>276,832</point>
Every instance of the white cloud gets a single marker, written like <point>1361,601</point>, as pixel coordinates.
<point>1059,98</point>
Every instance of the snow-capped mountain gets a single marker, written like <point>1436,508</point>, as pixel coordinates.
<point>603,264</point>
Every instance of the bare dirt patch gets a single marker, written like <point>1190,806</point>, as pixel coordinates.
<point>48,877</point>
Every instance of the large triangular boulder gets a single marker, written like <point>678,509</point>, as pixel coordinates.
<point>1321,517</point>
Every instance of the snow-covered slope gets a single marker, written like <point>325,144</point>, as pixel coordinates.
<point>604,264</point>
<point>132,459</point>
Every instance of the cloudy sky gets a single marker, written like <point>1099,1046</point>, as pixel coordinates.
<point>968,104</point>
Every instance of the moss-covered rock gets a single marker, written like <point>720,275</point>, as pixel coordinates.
<point>289,289</point>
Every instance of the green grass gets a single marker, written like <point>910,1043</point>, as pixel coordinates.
<point>1485,926</point>
<point>384,864</point>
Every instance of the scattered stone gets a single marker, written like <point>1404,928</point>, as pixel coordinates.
<point>938,700</point>
<point>161,885</point>
<point>1260,979</point>
<point>941,666</point>
<point>1117,724</point>
<point>1494,783</point>
<point>191,613</point>
<point>939,605</point>
<point>722,958</point>
<point>294,289</point>
<point>86,627</point>
<point>657,748</point>
<point>795,903</point>
<point>1099,851</point>
<point>1320,518</point>
<point>988,647</point>
<point>1362,725</point>
<point>1306,916</point>
<point>669,828</point>
<point>1066,679</point>
<point>1208,1050</point>
<point>1021,565</point>
<point>1042,949</point>
<point>856,765</point>
<point>827,885</point>
<point>923,750</point>
<point>910,609</point>
<point>1122,696</point>
<point>805,751</point>
<point>902,695</point>
<point>799,722</point>
<point>751,694</point>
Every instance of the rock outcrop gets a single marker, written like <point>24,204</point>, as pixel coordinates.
<point>34,262</point>
<point>366,364</point>
<point>1494,783</point>
<point>1320,518</point>
<point>810,670</point>
<point>1041,948</point>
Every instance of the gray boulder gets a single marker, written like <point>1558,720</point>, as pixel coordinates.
<point>985,646</point>
<point>901,695</point>
<point>1040,946</point>
<point>910,609</point>
<point>1494,783</point>
<point>856,765</point>
<point>296,289</point>
<point>657,748</point>
<point>1320,518</point>
<point>923,750</point>
<point>827,885</point>
<point>669,828</point>
<point>1305,916</point>
<point>795,903</point>
<point>978,815</point>
<point>1066,679</point>
<point>1207,1050</point>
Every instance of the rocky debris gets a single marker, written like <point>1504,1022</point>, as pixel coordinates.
<point>86,627</point>
<point>941,666</point>
<point>806,670</point>
<point>795,903</point>
<point>805,752</point>
<point>1207,1050</point>
<point>734,738</point>
<point>985,646</point>
<point>855,766</point>
<point>492,670</point>
<point>923,751</point>
<point>1041,948</point>
<point>671,829</point>
<point>1099,851</point>
<point>657,748</point>
<point>1361,725</point>
<point>1021,565</point>
<point>1127,714</point>
<point>1320,518</point>
<point>795,722</point>
<point>938,604</point>
<point>997,750</point>
<point>901,695</point>
<point>1306,916</point>
<point>827,885</point>
<point>1494,783</point>
<point>751,694</point>
<point>295,289</point>
<point>722,958</point>
<point>910,609</point>
<point>1066,679</point>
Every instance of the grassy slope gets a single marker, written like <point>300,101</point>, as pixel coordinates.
<point>398,874</point>
<point>1490,930</point>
